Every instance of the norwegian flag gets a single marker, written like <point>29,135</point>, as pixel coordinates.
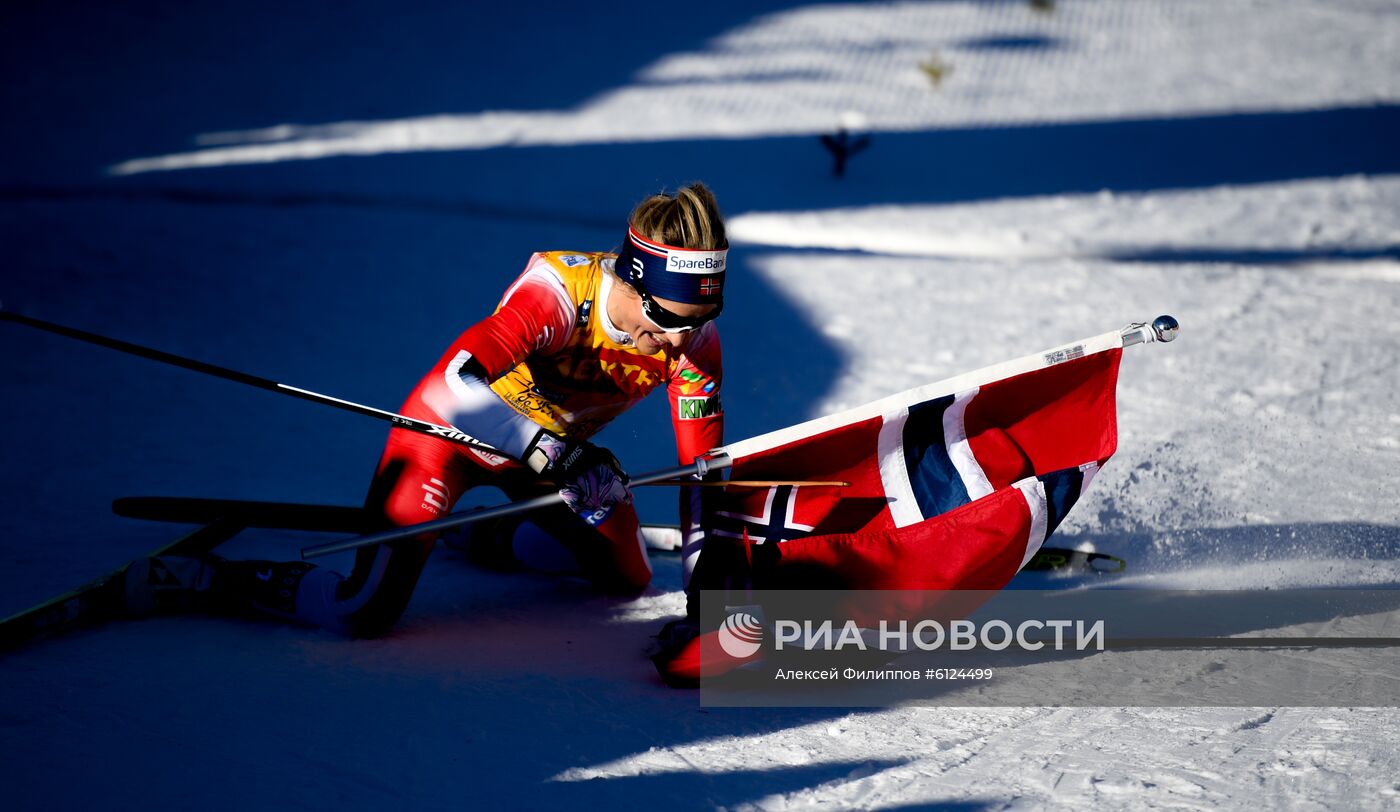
<point>954,485</point>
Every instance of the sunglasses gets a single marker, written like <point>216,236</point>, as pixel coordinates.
<point>668,322</point>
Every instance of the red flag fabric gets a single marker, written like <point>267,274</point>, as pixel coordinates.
<point>954,485</point>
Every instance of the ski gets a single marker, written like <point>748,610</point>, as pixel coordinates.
<point>1058,559</point>
<point>248,513</point>
<point>102,599</point>
<point>298,516</point>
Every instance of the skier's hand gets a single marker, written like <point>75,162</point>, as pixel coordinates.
<point>590,478</point>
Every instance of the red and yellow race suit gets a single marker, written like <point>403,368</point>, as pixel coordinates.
<point>552,355</point>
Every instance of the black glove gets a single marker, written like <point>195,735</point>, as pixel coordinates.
<point>590,478</point>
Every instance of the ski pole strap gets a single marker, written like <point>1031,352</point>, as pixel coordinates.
<point>468,517</point>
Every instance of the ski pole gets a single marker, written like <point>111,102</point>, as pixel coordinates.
<point>697,468</point>
<point>421,426</point>
<point>751,483</point>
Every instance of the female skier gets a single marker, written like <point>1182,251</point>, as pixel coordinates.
<point>576,340</point>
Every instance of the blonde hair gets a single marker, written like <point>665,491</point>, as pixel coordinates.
<point>688,219</point>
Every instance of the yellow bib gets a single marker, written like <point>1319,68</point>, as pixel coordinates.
<point>577,390</point>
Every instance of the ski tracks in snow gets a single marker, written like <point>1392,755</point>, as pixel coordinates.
<point>1196,758</point>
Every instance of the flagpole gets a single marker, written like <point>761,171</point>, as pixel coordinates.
<point>748,483</point>
<point>1163,328</point>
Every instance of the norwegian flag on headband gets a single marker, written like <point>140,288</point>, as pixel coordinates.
<point>954,485</point>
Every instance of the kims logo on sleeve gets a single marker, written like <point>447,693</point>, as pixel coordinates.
<point>696,408</point>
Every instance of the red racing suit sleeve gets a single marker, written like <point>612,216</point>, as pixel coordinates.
<point>535,315</point>
<point>694,393</point>
<point>698,419</point>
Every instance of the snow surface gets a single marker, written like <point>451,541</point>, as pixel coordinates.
<point>327,196</point>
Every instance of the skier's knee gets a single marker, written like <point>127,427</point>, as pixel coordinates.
<point>399,512</point>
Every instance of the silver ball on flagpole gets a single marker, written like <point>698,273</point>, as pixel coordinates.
<point>1165,328</point>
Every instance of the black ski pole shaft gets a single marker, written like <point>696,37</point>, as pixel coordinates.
<point>420,426</point>
<point>699,467</point>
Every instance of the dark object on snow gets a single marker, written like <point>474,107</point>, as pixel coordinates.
<point>936,70</point>
<point>842,146</point>
<point>103,599</point>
